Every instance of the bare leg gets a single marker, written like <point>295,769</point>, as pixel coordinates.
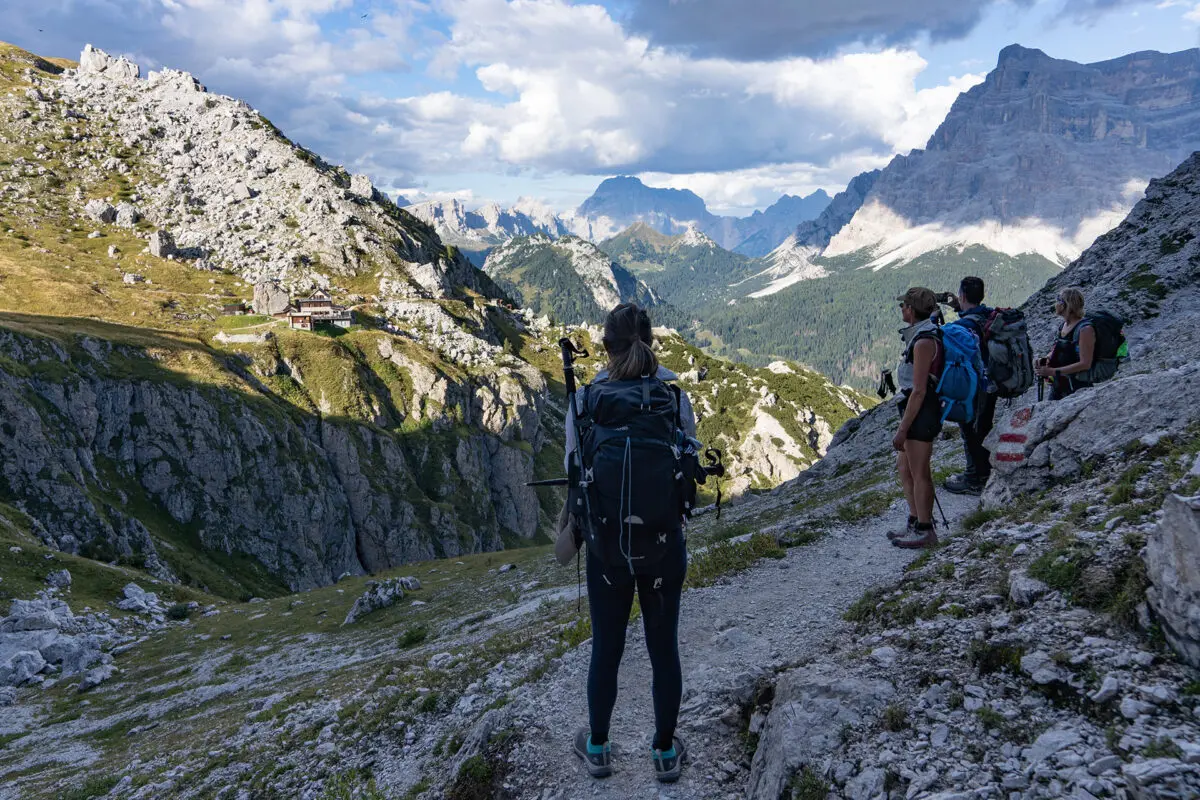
<point>906,481</point>
<point>921,476</point>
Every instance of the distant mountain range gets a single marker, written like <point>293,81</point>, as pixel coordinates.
<point>617,204</point>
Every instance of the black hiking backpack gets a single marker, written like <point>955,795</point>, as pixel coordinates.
<point>1110,334</point>
<point>1111,348</point>
<point>639,483</point>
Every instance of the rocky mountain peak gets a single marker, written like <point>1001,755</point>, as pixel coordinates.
<point>1019,55</point>
<point>1041,157</point>
<point>621,201</point>
<point>233,193</point>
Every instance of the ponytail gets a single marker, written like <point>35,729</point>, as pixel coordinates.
<point>628,337</point>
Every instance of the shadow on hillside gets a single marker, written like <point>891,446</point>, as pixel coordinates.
<point>344,451</point>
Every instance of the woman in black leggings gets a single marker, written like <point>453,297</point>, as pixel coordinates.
<point>627,342</point>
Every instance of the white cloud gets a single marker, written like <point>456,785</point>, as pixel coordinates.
<point>740,191</point>
<point>1194,14</point>
<point>568,88</point>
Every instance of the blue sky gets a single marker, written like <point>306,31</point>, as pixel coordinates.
<point>738,100</point>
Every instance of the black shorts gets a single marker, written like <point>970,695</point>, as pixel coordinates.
<point>928,424</point>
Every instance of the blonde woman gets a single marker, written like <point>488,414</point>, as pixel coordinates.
<point>1069,361</point>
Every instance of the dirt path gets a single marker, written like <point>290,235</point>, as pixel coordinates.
<point>778,612</point>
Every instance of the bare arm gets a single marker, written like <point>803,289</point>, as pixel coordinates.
<point>1087,353</point>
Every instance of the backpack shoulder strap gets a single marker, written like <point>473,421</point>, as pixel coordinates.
<point>1086,322</point>
<point>675,390</point>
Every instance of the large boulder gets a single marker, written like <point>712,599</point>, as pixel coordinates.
<point>139,601</point>
<point>379,594</point>
<point>1039,445</point>
<point>22,668</point>
<point>361,185</point>
<point>162,244</point>
<point>1173,566</point>
<point>75,654</point>
<point>812,706</point>
<point>127,215</point>
<point>270,299</point>
<point>100,211</point>
<point>43,613</point>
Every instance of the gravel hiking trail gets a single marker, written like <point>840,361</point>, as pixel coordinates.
<point>779,612</point>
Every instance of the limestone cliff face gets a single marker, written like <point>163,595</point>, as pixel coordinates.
<point>570,278</point>
<point>1043,156</point>
<point>114,455</point>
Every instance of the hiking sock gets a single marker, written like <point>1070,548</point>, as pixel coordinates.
<point>595,749</point>
<point>669,749</point>
<point>924,527</point>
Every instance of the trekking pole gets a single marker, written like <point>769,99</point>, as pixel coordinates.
<point>945,521</point>
<point>576,480</point>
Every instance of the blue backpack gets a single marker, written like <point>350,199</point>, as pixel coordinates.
<point>963,373</point>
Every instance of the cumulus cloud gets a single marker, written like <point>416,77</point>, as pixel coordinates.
<point>578,92</point>
<point>741,191</point>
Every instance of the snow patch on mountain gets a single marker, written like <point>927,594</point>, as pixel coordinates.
<point>790,263</point>
<point>893,241</point>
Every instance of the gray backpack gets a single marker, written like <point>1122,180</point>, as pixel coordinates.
<point>1010,355</point>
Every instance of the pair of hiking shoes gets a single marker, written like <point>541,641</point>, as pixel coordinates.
<point>965,484</point>
<point>598,759</point>
<point>912,538</point>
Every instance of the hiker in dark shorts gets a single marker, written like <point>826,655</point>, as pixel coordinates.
<point>920,415</point>
<point>1074,348</point>
<point>627,341</point>
<point>973,314</point>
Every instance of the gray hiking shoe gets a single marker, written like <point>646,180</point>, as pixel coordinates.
<point>668,764</point>
<point>918,540</point>
<point>597,759</point>
<point>965,484</point>
<point>908,531</point>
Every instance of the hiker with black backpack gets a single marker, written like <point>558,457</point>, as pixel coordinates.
<point>921,414</point>
<point>629,433</point>
<point>1087,350</point>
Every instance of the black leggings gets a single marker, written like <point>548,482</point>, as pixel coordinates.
<point>610,597</point>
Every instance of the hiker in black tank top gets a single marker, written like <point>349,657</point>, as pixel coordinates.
<point>1074,348</point>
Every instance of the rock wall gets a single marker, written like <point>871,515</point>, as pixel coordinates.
<point>1173,566</point>
<point>138,464</point>
<point>1049,442</point>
